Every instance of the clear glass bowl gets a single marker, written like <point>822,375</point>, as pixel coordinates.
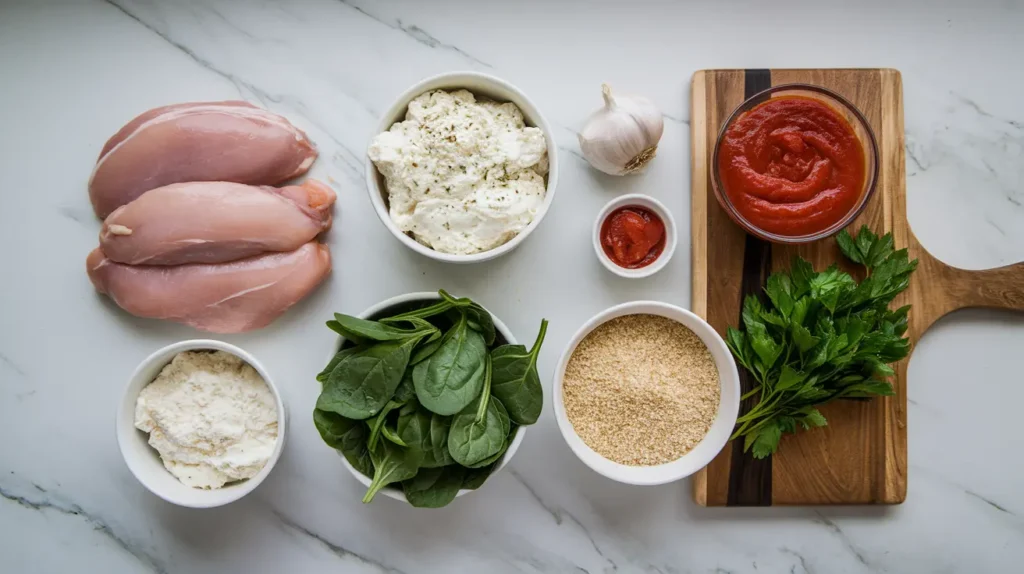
<point>838,104</point>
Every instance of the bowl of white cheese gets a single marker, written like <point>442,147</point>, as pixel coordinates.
<point>201,423</point>
<point>463,167</point>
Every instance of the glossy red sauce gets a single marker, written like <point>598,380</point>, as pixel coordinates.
<point>792,166</point>
<point>633,236</point>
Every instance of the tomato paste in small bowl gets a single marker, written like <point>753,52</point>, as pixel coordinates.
<point>634,236</point>
<point>794,164</point>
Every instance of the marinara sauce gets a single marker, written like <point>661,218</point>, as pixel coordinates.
<point>792,166</point>
<point>633,236</point>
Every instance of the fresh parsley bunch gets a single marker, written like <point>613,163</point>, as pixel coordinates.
<point>821,336</point>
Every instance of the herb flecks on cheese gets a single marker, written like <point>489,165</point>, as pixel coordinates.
<point>462,176</point>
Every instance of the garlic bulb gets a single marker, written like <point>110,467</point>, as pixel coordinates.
<point>622,137</point>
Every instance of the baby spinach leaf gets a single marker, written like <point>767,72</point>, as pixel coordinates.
<point>480,319</point>
<point>422,313</point>
<point>454,374</point>
<point>378,422</point>
<point>474,477</point>
<point>363,382</point>
<point>391,463</point>
<point>425,350</point>
<point>362,330</point>
<point>419,375</point>
<point>392,435</point>
<point>515,380</point>
<point>346,435</point>
<point>440,426</point>
<point>424,479</point>
<point>405,391</point>
<point>414,430</point>
<point>485,393</point>
<point>495,457</point>
<point>471,441</point>
<point>506,423</point>
<point>435,490</point>
<point>338,357</point>
<point>426,431</point>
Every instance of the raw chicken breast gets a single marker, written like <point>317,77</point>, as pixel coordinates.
<point>214,222</point>
<point>219,297</point>
<point>202,141</point>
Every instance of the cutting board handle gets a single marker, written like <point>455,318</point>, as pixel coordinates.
<point>950,288</point>
<point>1002,287</point>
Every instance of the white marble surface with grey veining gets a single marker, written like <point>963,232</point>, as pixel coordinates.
<point>71,73</point>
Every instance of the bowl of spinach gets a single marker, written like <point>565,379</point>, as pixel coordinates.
<point>426,396</point>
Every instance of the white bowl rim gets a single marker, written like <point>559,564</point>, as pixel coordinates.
<point>670,231</point>
<point>125,428</point>
<point>428,296</point>
<point>391,116</point>
<point>709,446</point>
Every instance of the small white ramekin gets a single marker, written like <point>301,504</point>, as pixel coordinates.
<point>144,461</point>
<point>481,85</point>
<point>706,449</point>
<point>670,234</point>
<point>427,297</point>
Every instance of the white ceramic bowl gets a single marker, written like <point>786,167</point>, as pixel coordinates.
<point>670,234</point>
<point>706,449</point>
<point>481,85</point>
<point>427,297</point>
<point>144,461</point>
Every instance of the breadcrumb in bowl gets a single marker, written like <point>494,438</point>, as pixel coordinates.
<point>646,393</point>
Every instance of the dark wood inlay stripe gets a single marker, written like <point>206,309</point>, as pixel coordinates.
<point>750,479</point>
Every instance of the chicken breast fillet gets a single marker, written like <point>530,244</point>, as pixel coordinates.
<point>215,222</point>
<point>202,141</point>
<point>221,297</point>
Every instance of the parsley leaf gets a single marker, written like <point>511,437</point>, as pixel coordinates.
<point>821,336</point>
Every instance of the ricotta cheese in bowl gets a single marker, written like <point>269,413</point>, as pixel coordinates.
<point>211,417</point>
<point>463,167</point>
<point>201,423</point>
<point>464,175</point>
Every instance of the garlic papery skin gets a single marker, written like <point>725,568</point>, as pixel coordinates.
<point>622,137</point>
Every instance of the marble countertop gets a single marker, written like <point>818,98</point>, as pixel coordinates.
<point>74,72</point>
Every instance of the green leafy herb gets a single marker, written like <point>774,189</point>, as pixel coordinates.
<point>821,336</point>
<point>515,380</point>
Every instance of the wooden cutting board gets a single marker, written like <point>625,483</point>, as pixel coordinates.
<point>861,456</point>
